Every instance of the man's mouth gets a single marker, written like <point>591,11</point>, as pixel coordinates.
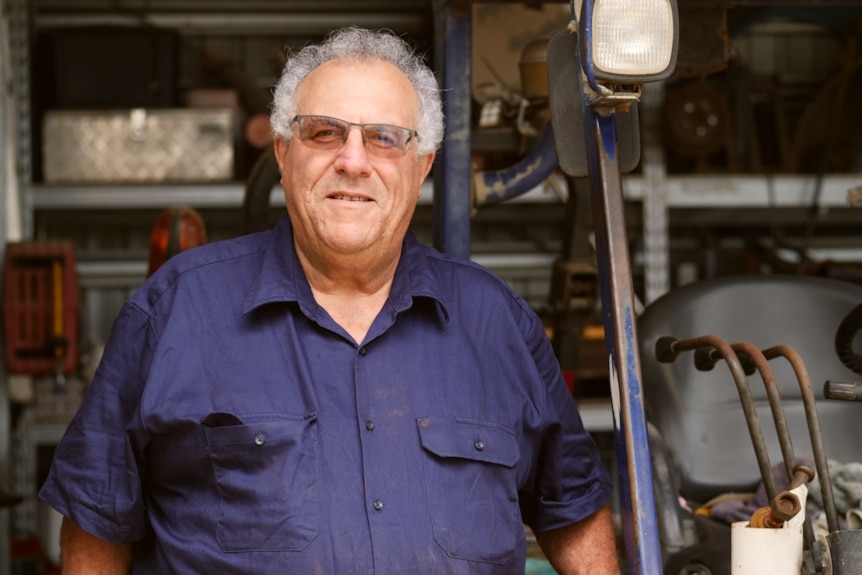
<point>349,198</point>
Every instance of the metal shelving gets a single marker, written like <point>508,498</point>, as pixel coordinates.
<point>706,191</point>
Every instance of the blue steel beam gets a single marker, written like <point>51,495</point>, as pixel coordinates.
<point>637,499</point>
<point>453,202</point>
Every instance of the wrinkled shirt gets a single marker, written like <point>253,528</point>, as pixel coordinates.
<point>233,427</point>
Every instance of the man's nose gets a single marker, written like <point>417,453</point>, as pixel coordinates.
<point>353,156</point>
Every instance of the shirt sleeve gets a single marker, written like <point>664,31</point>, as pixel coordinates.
<point>571,482</point>
<point>95,477</point>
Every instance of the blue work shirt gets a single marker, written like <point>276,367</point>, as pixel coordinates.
<point>233,427</point>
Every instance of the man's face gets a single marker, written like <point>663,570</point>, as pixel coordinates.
<point>347,200</point>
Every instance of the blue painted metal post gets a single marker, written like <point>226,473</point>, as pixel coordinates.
<point>452,170</point>
<point>640,523</point>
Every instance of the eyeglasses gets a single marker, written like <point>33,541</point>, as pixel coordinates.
<point>381,140</point>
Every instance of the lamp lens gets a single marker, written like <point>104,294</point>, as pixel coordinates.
<point>633,38</point>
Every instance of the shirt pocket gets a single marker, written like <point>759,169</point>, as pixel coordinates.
<point>470,482</point>
<point>267,479</point>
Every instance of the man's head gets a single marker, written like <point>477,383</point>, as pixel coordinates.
<point>356,123</point>
<point>360,44</point>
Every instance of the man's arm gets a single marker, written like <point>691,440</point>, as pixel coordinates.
<point>85,554</point>
<point>586,547</point>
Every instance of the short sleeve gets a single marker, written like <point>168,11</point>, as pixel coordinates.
<point>571,481</point>
<point>95,477</point>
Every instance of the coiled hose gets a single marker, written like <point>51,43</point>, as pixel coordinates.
<point>850,326</point>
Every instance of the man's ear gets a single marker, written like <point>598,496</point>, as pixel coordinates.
<point>280,149</point>
<point>425,163</point>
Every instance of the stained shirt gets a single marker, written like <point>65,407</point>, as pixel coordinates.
<point>233,427</point>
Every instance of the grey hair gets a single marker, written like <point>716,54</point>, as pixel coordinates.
<point>361,44</point>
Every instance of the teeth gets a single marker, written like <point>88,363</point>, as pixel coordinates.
<point>348,198</point>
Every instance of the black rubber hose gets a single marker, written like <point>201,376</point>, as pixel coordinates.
<point>850,326</point>
<point>255,206</point>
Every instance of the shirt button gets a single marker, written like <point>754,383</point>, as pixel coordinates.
<point>378,505</point>
<point>479,445</point>
<point>259,439</point>
<point>362,350</point>
<point>369,425</point>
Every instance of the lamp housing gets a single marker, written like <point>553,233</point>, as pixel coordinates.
<point>630,41</point>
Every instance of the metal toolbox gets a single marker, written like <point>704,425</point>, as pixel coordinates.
<point>139,145</point>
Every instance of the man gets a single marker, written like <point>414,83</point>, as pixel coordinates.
<point>330,396</point>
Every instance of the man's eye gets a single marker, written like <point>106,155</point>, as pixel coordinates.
<point>384,137</point>
<point>326,132</point>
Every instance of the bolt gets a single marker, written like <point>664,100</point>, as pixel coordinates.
<point>785,506</point>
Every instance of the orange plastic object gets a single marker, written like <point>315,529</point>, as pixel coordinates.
<point>176,229</point>
<point>41,307</point>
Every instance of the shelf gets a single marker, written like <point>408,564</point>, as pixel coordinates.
<point>596,414</point>
<point>220,195</point>
<point>709,191</point>
<point>137,196</point>
<point>274,23</point>
<point>746,191</point>
<point>231,17</point>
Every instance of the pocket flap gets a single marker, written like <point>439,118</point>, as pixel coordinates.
<point>468,439</point>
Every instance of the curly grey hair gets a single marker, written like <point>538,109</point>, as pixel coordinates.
<point>359,43</point>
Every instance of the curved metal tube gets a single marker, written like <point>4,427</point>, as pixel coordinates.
<point>808,402</point>
<point>784,439</point>
<point>774,397</point>
<point>501,185</point>
<point>736,370</point>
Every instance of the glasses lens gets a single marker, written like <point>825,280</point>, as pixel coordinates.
<point>325,133</point>
<point>322,132</point>
<point>386,138</point>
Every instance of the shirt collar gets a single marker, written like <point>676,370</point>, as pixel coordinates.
<point>281,278</point>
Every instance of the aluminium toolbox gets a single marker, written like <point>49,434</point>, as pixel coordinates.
<point>139,145</point>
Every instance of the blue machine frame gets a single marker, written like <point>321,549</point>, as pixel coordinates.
<point>453,204</point>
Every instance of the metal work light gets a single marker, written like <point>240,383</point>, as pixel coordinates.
<point>631,40</point>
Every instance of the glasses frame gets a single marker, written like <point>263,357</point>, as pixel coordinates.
<point>410,134</point>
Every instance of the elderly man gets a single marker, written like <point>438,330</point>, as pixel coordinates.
<point>331,396</point>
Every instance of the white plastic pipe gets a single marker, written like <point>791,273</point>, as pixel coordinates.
<point>758,551</point>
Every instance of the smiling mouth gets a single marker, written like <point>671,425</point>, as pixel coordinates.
<point>348,198</point>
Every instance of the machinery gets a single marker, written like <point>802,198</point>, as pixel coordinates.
<point>729,368</point>
<point>596,72</point>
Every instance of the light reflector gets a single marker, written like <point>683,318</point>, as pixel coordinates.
<point>633,38</point>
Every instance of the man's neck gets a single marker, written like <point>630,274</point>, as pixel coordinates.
<point>352,289</point>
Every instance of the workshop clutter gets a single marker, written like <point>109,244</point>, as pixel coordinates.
<point>40,307</point>
<point>41,326</point>
<point>117,105</point>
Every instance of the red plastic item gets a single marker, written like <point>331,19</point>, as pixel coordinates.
<point>41,307</point>
<point>177,229</point>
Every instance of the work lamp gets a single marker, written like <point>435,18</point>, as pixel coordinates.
<point>630,41</point>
